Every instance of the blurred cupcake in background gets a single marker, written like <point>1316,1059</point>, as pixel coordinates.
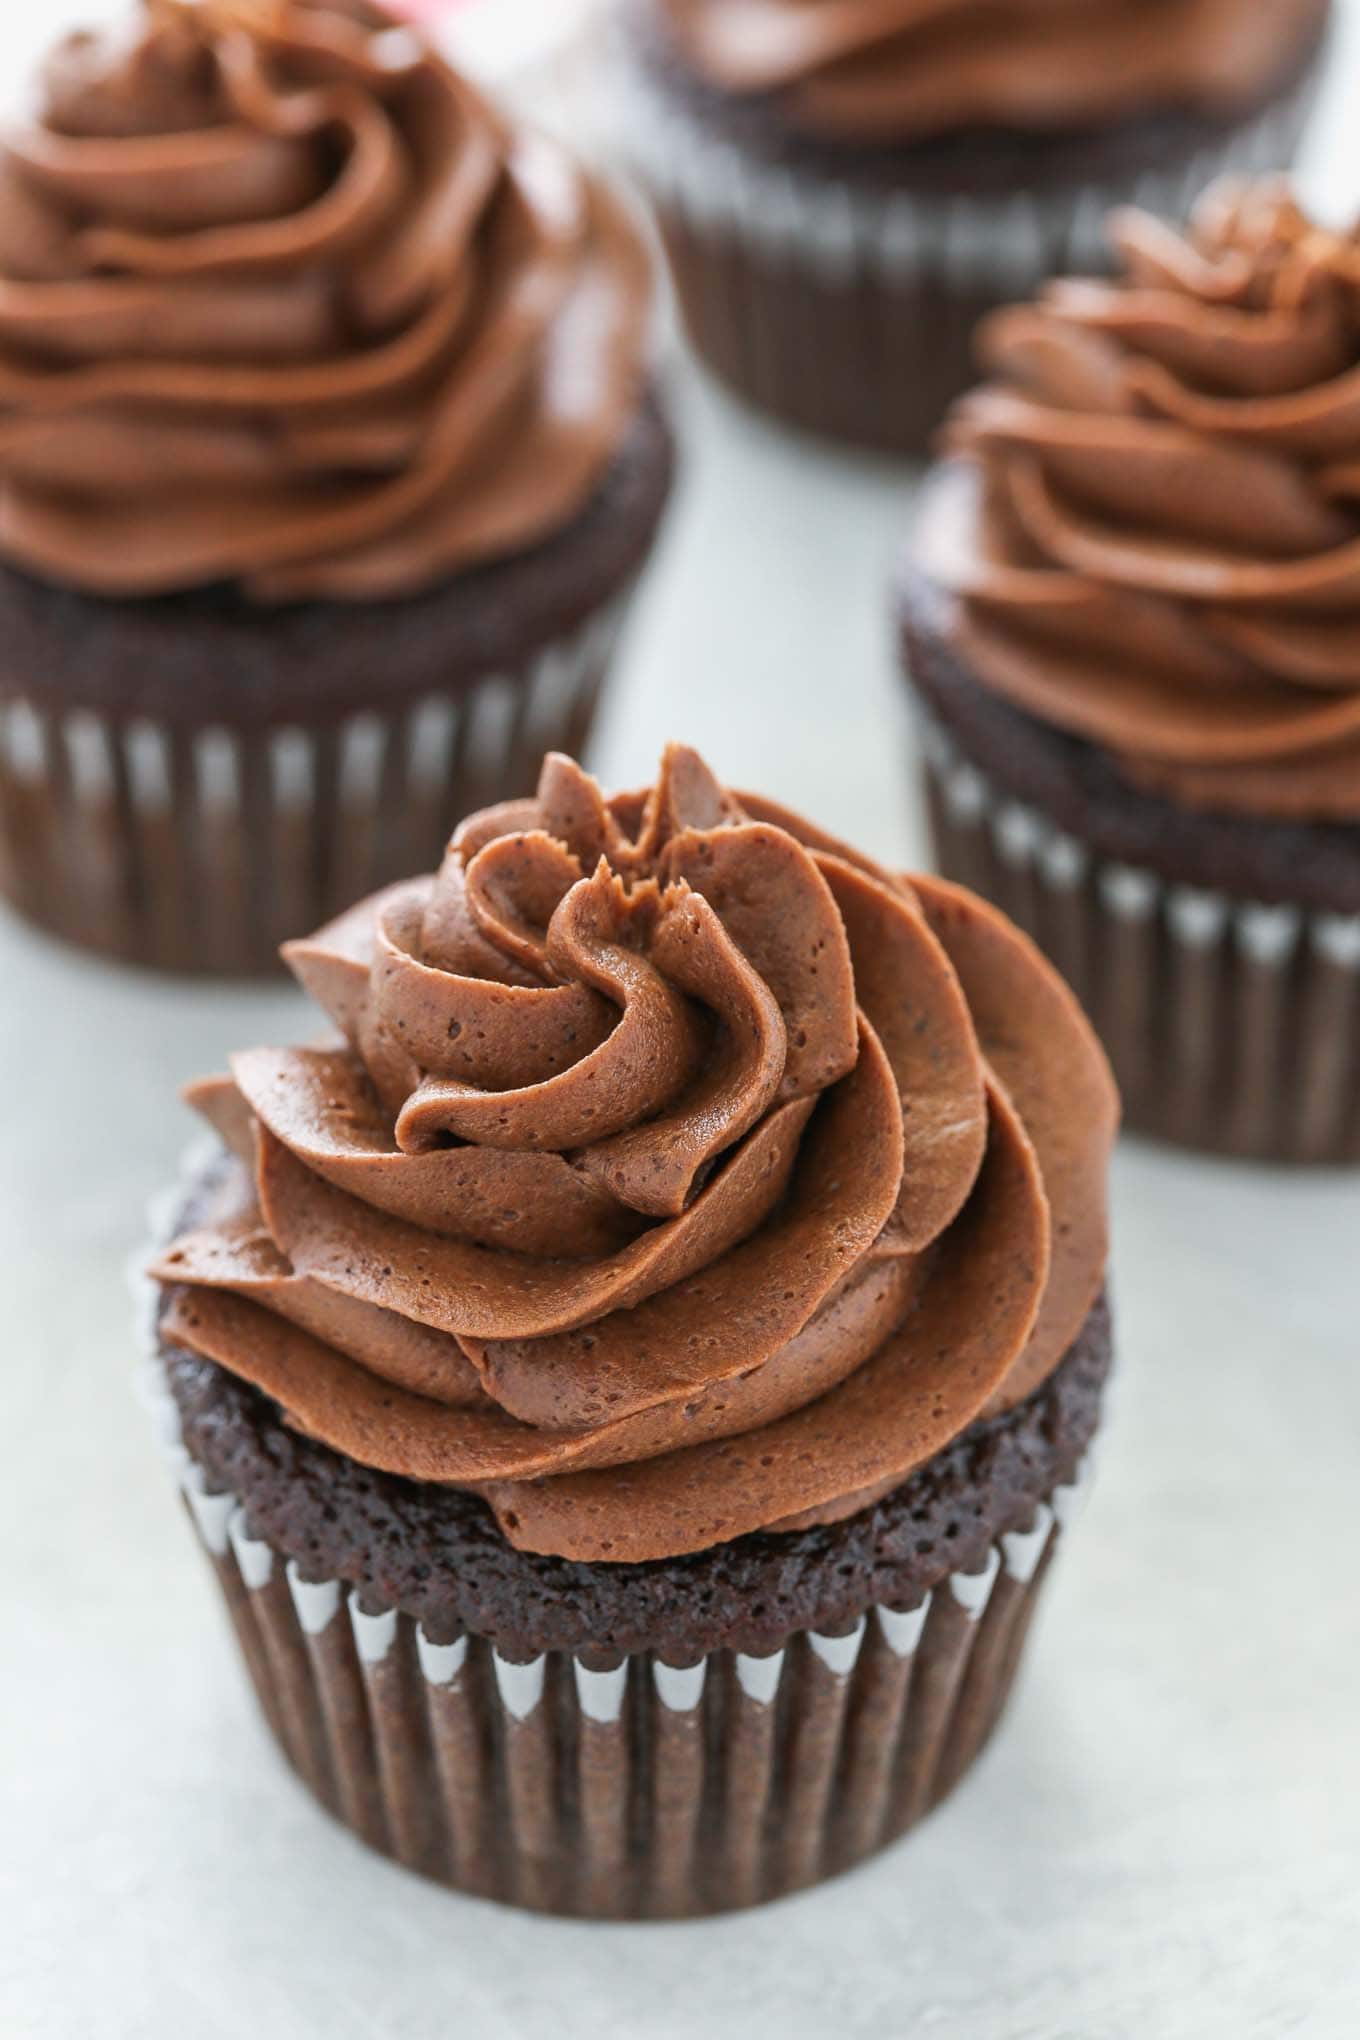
<point>1131,621</point>
<point>846,186</point>
<point>328,461</point>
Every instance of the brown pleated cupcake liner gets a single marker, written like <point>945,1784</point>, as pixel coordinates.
<point>643,1790</point>
<point>850,312</point>
<point>1233,1025</point>
<point>200,850</point>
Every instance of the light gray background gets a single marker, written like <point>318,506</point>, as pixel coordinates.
<point>1164,1840</point>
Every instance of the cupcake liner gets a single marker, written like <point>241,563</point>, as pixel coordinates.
<point>617,1787</point>
<point>640,1790</point>
<point>203,849</point>
<point>850,310</point>
<point>1232,1024</point>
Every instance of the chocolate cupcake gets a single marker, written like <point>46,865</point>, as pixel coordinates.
<point>845,189</point>
<point>327,465</point>
<point>632,1388</point>
<point>1131,620</point>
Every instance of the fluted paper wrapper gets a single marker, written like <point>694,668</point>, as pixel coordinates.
<point>851,312</point>
<point>1233,1025</point>
<point>202,848</point>
<point>623,1789</point>
<point>642,1791</point>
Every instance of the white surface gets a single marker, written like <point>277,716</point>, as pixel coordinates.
<point>497,39</point>
<point>1164,1840</point>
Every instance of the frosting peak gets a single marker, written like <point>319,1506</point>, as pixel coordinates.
<point>1153,530</point>
<point>678,1173</point>
<point>285,303</point>
<point>898,70</point>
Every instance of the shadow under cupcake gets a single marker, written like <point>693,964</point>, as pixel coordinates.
<point>1129,620</point>
<point>844,190</point>
<point>633,1388</point>
<point>329,462</point>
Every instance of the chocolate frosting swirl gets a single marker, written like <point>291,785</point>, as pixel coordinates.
<point>679,1174</point>
<point>284,303</point>
<point>1153,530</point>
<point>906,69</point>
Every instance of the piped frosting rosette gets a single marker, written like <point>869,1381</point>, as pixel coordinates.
<point>1153,531</point>
<point>678,1174</point>
<point>285,303</point>
<point>912,68</point>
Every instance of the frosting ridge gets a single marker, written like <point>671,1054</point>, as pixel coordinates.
<point>906,69</point>
<point>1152,524</point>
<point>285,303</point>
<point>677,1174</point>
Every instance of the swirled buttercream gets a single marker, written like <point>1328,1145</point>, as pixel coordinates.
<point>1152,530</point>
<point>284,303</point>
<point>904,69</point>
<point>678,1174</point>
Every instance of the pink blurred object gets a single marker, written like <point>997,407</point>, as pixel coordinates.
<point>427,10</point>
<point>546,20</point>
